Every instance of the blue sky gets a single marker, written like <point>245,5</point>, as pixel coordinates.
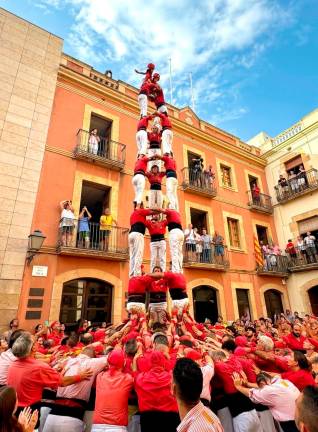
<point>254,62</point>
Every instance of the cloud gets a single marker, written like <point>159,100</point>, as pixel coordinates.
<point>208,38</point>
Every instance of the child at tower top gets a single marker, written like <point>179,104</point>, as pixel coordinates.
<point>148,73</point>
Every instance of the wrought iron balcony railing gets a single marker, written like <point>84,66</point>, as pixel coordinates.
<point>301,184</point>
<point>303,258</point>
<point>199,182</point>
<point>259,202</point>
<point>100,150</point>
<point>217,257</point>
<point>82,238</point>
<point>274,265</point>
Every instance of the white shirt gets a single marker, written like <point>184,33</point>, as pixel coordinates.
<point>208,373</point>
<point>67,217</point>
<point>74,366</point>
<point>6,359</point>
<point>189,235</point>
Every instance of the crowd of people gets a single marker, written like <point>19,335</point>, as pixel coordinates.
<point>202,247</point>
<point>199,175</point>
<point>293,182</point>
<point>175,374</point>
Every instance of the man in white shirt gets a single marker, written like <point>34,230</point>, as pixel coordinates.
<point>7,358</point>
<point>190,244</point>
<point>309,243</point>
<point>69,408</point>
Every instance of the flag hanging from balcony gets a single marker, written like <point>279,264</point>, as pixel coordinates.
<point>258,252</point>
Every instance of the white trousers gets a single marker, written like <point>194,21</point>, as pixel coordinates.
<point>56,423</point>
<point>143,104</point>
<point>247,422</point>
<point>93,148</point>
<point>158,254</point>
<point>138,182</point>
<point>155,199</point>
<point>176,238</point>
<point>267,421</point>
<point>108,428</point>
<point>153,152</point>
<point>171,191</point>
<point>45,411</point>
<point>225,419</point>
<point>166,143</point>
<point>162,109</point>
<point>136,251</point>
<point>88,420</point>
<point>142,142</point>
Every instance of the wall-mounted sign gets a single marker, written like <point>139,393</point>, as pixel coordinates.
<point>39,271</point>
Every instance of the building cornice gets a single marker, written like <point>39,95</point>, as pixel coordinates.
<point>73,77</point>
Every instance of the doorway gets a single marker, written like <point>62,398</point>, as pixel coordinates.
<point>274,304</point>
<point>313,298</point>
<point>199,219</point>
<point>205,303</point>
<point>96,198</point>
<point>243,303</point>
<point>252,181</point>
<point>104,128</point>
<point>89,299</point>
<point>262,234</point>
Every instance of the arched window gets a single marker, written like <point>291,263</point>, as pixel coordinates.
<point>89,299</point>
<point>273,301</point>
<point>205,303</point>
<point>313,298</point>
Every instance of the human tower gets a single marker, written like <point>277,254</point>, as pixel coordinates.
<point>154,139</point>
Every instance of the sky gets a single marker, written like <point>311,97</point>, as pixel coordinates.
<point>254,63</point>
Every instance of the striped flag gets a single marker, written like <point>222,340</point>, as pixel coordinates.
<point>258,252</point>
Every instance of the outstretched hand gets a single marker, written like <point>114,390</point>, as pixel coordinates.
<point>27,419</point>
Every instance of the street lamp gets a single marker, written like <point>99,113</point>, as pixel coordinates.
<point>36,240</point>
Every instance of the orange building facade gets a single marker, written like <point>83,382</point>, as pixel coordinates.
<point>81,281</point>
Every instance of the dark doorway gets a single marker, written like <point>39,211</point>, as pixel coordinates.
<point>262,234</point>
<point>205,303</point>
<point>274,304</point>
<point>313,298</point>
<point>243,303</point>
<point>103,126</point>
<point>199,219</point>
<point>95,197</point>
<point>89,299</point>
<point>191,156</point>
<point>252,181</point>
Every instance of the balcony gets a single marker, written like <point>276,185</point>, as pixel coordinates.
<point>216,258</point>
<point>274,265</point>
<point>304,260</point>
<point>110,154</point>
<point>259,202</point>
<point>94,243</point>
<point>198,182</point>
<point>299,186</point>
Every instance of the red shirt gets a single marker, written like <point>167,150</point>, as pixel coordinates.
<point>139,215</point>
<point>256,191</point>
<point>143,123</point>
<point>294,343</point>
<point>170,163</point>
<point>225,370</point>
<point>173,216</point>
<point>155,179</point>
<point>153,389</point>
<point>165,121</point>
<point>291,248</point>
<point>175,280</point>
<point>141,164</point>
<point>159,286</point>
<point>301,378</point>
<point>139,284</point>
<point>29,377</point>
<point>156,228</point>
<point>159,98</point>
<point>144,362</point>
<point>146,87</point>
<point>154,139</point>
<point>112,392</point>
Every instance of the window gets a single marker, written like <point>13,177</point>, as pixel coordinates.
<point>243,304</point>
<point>252,181</point>
<point>192,156</point>
<point>104,127</point>
<point>294,164</point>
<point>199,219</point>
<point>234,232</point>
<point>226,176</point>
<point>96,198</point>
<point>262,234</point>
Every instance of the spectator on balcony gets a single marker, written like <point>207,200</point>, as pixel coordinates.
<point>83,228</point>
<point>256,197</point>
<point>67,222</point>
<point>309,242</point>
<point>218,242</point>
<point>291,250</point>
<point>302,178</point>
<point>209,176</point>
<point>196,169</point>
<point>276,249</point>
<point>93,141</point>
<point>301,248</point>
<point>189,241</point>
<point>283,185</point>
<point>293,181</point>
<point>206,240</point>
<point>198,244</point>
<point>105,227</point>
